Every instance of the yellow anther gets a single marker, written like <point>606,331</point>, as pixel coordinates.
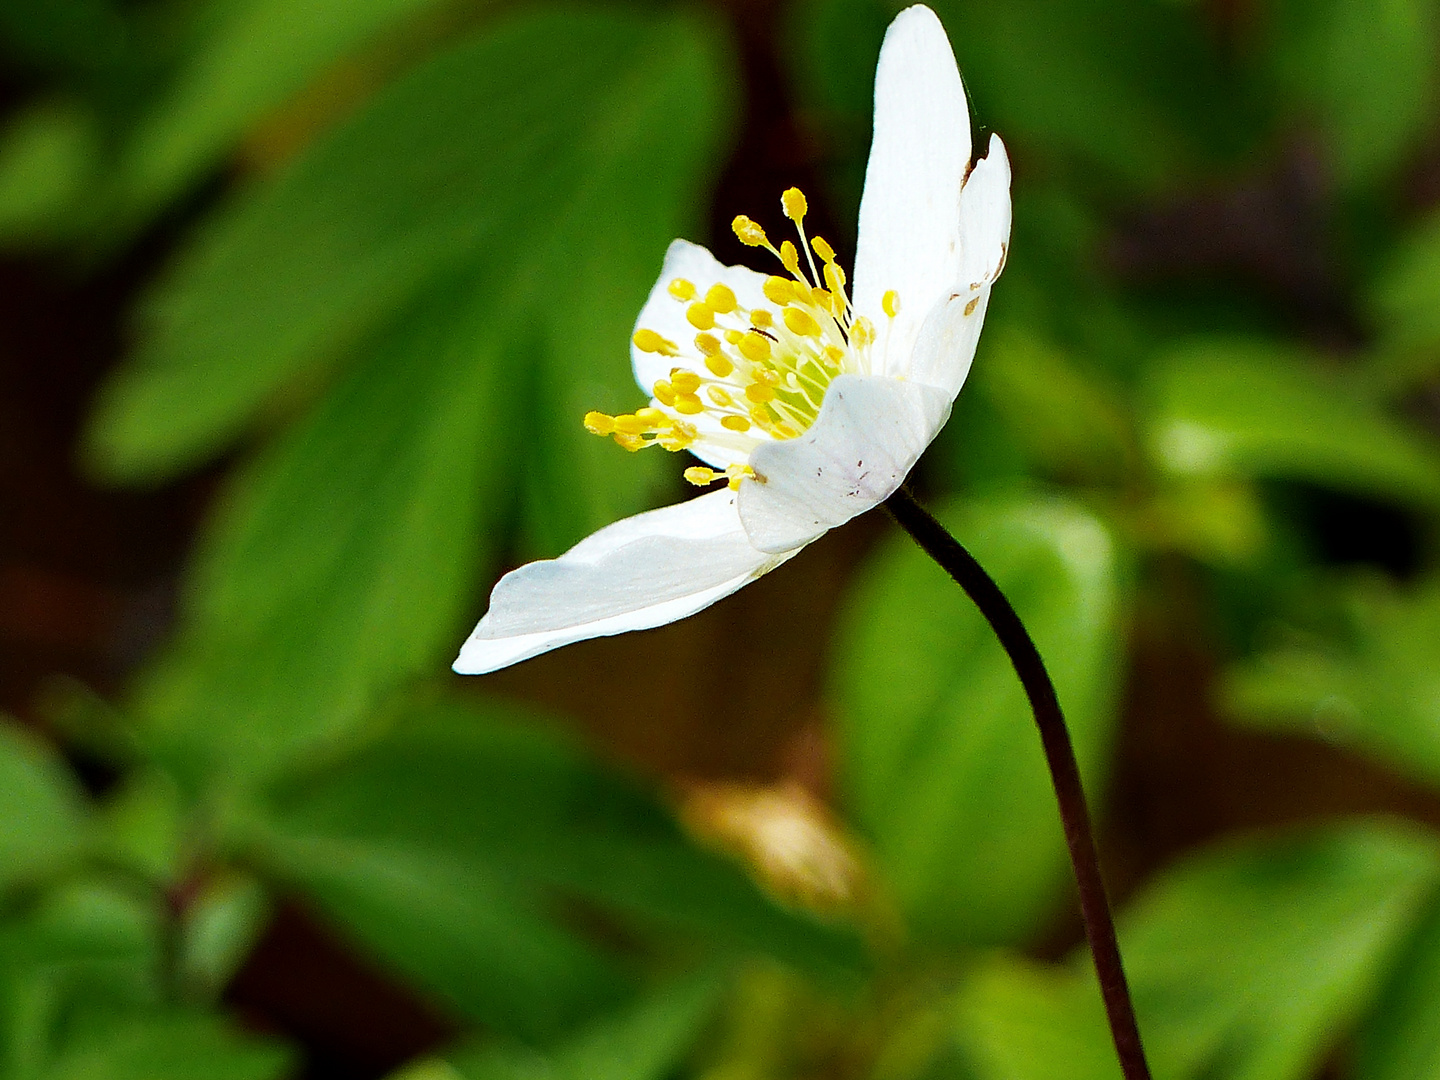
<point>599,423</point>
<point>684,382</point>
<point>890,302</point>
<point>688,404</point>
<point>749,232</point>
<point>801,322</point>
<point>734,336</point>
<point>701,476</point>
<point>664,392</point>
<point>719,396</point>
<point>700,316</point>
<point>734,423</point>
<point>629,424</point>
<point>794,204</point>
<point>708,344</point>
<point>685,431</point>
<point>834,277</point>
<point>719,365</point>
<point>834,354</point>
<point>755,347</point>
<point>758,392</point>
<point>761,318</point>
<point>824,250</point>
<point>651,342</point>
<point>783,430</point>
<point>652,418</point>
<point>862,331</point>
<point>779,290</point>
<point>767,376</point>
<point>760,413</point>
<point>630,442</point>
<point>720,298</point>
<point>682,290</point>
<point>790,257</point>
<point>823,299</point>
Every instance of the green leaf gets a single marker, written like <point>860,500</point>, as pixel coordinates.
<point>256,56</point>
<point>1366,70</point>
<point>1406,295</point>
<point>1401,1040</point>
<point>41,812</point>
<point>1132,88</point>
<point>943,767</point>
<point>484,788</point>
<point>1254,408</point>
<point>478,942</point>
<point>222,924</point>
<point>513,159</point>
<point>644,1042</point>
<point>47,155</point>
<point>85,950</point>
<point>343,561</point>
<point>1377,688</point>
<point>1246,962</point>
<point>1068,423</point>
<point>162,1047</point>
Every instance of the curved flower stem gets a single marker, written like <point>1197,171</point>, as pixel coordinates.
<point>1059,755</point>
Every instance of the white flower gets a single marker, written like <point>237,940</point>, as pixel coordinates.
<point>812,403</point>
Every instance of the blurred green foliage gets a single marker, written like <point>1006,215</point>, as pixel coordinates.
<point>413,237</point>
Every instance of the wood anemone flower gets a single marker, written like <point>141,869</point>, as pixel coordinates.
<point>809,397</point>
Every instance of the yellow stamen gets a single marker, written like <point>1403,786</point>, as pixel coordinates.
<point>719,365</point>
<point>779,290</point>
<point>801,322</point>
<point>708,344</point>
<point>834,278</point>
<point>599,423</point>
<point>755,347</point>
<point>789,257</point>
<point>735,423</point>
<point>663,392</point>
<point>761,318</point>
<point>720,397</point>
<point>862,331</point>
<point>682,290</point>
<point>824,250</point>
<point>890,302</point>
<point>629,424</point>
<point>720,299</point>
<point>684,382</point>
<point>700,316</point>
<point>794,204</point>
<point>689,404</point>
<point>759,392</point>
<point>701,476</point>
<point>749,232</point>
<point>630,442</point>
<point>651,342</point>
<point>652,418</point>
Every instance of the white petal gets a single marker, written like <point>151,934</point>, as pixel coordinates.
<point>909,236</point>
<point>641,572</point>
<point>870,432</point>
<point>946,344</point>
<point>666,315</point>
<point>985,217</point>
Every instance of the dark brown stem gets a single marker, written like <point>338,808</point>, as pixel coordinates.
<point>1059,755</point>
